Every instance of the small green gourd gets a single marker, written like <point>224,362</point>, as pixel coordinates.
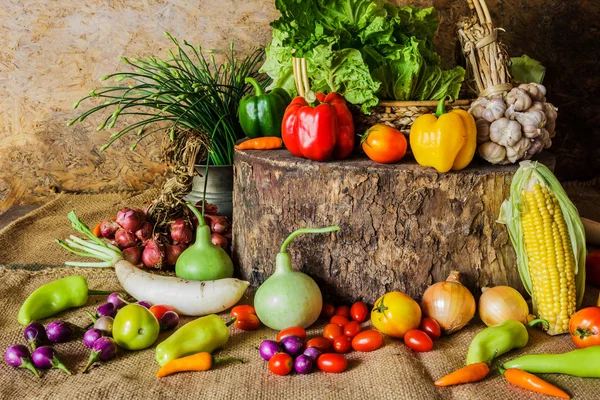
<point>289,298</point>
<point>203,261</point>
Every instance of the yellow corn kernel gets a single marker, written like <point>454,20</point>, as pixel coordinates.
<point>550,258</point>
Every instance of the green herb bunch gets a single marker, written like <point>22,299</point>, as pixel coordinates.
<point>189,91</point>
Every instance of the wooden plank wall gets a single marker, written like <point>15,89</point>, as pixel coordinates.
<point>54,52</point>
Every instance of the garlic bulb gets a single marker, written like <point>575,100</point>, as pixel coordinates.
<point>518,150</point>
<point>531,122</point>
<point>545,138</point>
<point>505,132</point>
<point>483,131</point>
<point>518,99</point>
<point>492,152</point>
<point>536,146</point>
<point>536,91</point>
<point>449,303</point>
<point>501,303</point>
<point>494,110</point>
<point>551,115</point>
<point>478,107</point>
<point>537,105</point>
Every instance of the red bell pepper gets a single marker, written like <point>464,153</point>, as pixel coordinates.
<point>318,132</point>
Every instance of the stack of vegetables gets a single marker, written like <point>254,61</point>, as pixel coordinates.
<point>364,50</point>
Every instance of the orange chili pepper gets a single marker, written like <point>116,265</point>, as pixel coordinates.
<point>261,143</point>
<point>196,362</point>
<point>96,230</point>
<point>470,373</point>
<point>531,382</point>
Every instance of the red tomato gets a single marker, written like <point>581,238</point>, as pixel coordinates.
<point>159,310</point>
<point>584,327</point>
<point>292,331</point>
<point>243,309</point>
<point>328,310</point>
<point>333,363</point>
<point>342,344</point>
<point>367,340</point>
<point>344,311</point>
<point>592,268</point>
<point>331,331</point>
<point>431,327</point>
<point>384,144</point>
<point>320,343</point>
<point>339,320</point>
<point>418,340</point>
<point>352,329</point>
<point>281,364</point>
<point>247,322</point>
<point>359,311</point>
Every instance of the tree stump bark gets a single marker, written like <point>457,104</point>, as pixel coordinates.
<point>403,226</point>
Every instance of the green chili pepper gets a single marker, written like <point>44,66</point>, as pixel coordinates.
<point>261,114</point>
<point>499,339</point>
<point>204,334</point>
<point>584,363</point>
<point>55,297</point>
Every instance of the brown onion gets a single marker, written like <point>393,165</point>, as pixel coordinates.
<point>129,219</point>
<point>145,231</point>
<point>125,239</point>
<point>217,223</point>
<point>172,252</point>
<point>108,229</point>
<point>153,255</point>
<point>500,303</point>
<point>180,231</point>
<point>133,255</point>
<point>219,240</point>
<point>449,303</point>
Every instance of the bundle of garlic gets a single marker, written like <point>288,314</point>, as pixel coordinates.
<point>514,126</point>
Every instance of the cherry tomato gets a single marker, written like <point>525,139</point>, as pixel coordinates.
<point>292,331</point>
<point>281,364</point>
<point>328,310</point>
<point>344,311</point>
<point>331,331</point>
<point>367,340</point>
<point>247,322</point>
<point>431,327</point>
<point>332,363</point>
<point>418,340</point>
<point>352,329</point>
<point>320,343</point>
<point>243,309</point>
<point>342,344</point>
<point>159,310</point>
<point>592,268</point>
<point>359,311</point>
<point>384,144</point>
<point>584,327</point>
<point>339,320</point>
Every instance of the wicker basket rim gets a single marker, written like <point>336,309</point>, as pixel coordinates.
<point>394,103</point>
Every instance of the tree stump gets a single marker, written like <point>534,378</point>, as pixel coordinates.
<point>403,226</point>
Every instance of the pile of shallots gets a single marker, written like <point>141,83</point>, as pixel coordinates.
<point>514,126</point>
<point>139,242</point>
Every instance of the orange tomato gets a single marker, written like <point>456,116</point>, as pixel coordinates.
<point>332,331</point>
<point>352,329</point>
<point>339,320</point>
<point>159,310</point>
<point>247,322</point>
<point>367,340</point>
<point>292,331</point>
<point>384,144</point>
<point>584,327</point>
<point>320,343</point>
<point>243,309</point>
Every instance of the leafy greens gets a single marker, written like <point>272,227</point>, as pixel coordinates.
<point>362,49</point>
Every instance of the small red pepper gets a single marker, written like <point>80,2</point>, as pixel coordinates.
<point>317,133</point>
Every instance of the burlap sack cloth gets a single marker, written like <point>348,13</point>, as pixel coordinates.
<point>31,257</point>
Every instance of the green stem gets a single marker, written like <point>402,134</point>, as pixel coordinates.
<point>306,230</point>
<point>102,292</point>
<point>217,360</point>
<point>231,321</point>
<point>545,324</point>
<point>27,364</point>
<point>441,108</point>
<point>258,90</point>
<point>195,211</point>
<point>56,363</point>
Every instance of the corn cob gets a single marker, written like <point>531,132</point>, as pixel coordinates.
<point>548,237</point>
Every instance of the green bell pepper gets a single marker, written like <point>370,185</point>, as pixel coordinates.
<point>261,114</point>
<point>499,339</point>
<point>584,363</point>
<point>204,334</point>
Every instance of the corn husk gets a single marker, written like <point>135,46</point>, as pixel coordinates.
<point>528,174</point>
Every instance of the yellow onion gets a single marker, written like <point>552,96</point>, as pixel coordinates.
<point>500,303</point>
<point>449,303</point>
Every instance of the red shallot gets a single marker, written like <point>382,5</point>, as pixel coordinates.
<point>133,255</point>
<point>125,239</point>
<point>172,252</point>
<point>180,231</point>
<point>145,231</point>
<point>129,219</point>
<point>108,229</point>
<point>217,223</point>
<point>153,255</point>
<point>218,240</point>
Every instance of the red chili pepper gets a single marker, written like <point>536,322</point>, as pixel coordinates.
<point>317,133</point>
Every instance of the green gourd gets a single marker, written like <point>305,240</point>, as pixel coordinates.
<point>203,261</point>
<point>289,298</point>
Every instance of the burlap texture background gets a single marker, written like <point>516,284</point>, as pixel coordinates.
<point>28,252</point>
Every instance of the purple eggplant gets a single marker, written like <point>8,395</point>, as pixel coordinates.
<point>90,337</point>
<point>104,324</point>
<point>292,345</point>
<point>35,334</point>
<point>268,348</point>
<point>59,331</point>
<point>169,320</point>
<point>106,310</point>
<point>18,356</point>
<point>313,353</point>
<point>303,364</point>
<point>117,300</point>
<point>144,304</point>
<point>103,349</point>
<point>45,358</point>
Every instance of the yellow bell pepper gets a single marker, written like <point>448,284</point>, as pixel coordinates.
<point>444,141</point>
